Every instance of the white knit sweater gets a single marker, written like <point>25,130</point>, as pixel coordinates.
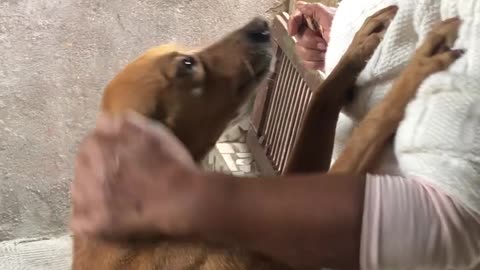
<point>439,138</point>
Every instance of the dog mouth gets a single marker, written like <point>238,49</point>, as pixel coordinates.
<point>258,67</point>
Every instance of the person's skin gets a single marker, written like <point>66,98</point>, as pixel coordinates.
<point>328,100</point>
<point>311,46</point>
<point>134,179</point>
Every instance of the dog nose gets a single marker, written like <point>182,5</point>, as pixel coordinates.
<point>258,31</point>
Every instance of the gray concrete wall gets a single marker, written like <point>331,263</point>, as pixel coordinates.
<point>55,58</point>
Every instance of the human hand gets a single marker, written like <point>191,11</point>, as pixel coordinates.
<point>311,45</point>
<point>435,53</point>
<point>368,37</point>
<point>128,172</point>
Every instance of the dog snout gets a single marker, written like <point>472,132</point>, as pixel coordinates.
<point>258,31</point>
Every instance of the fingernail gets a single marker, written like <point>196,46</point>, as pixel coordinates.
<point>458,53</point>
<point>321,46</point>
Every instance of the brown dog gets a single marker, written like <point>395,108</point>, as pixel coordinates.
<point>197,94</point>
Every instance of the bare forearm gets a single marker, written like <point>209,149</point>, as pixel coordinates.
<point>314,144</point>
<point>307,222</point>
<point>369,138</point>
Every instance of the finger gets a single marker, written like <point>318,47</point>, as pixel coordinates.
<point>309,54</point>
<point>89,158</point>
<point>147,126</point>
<point>122,129</point>
<point>444,60</point>
<point>313,10</point>
<point>449,29</point>
<point>305,8</point>
<point>380,13</point>
<point>86,187</point>
<point>162,139</point>
<point>295,22</point>
<point>322,45</point>
<point>310,39</point>
<point>442,34</point>
<point>314,65</point>
<point>380,21</point>
<point>86,225</point>
<point>372,42</point>
<point>107,125</point>
<point>442,48</point>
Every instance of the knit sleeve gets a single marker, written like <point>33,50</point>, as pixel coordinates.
<point>439,138</point>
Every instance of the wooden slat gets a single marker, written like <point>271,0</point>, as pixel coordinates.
<point>285,99</point>
<point>280,121</point>
<point>287,45</point>
<point>275,97</point>
<point>264,164</point>
<point>293,112</point>
<point>263,94</point>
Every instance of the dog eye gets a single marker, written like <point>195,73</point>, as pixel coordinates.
<point>186,66</point>
<point>189,62</point>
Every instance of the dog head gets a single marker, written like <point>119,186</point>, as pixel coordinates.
<point>195,93</point>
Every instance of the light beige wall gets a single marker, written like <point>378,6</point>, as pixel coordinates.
<point>56,55</point>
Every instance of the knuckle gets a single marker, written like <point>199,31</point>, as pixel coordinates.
<point>376,21</point>
<point>314,55</point>
<point>432,65</point>
<point>433,38</point>
<point>306,36</point>
<point>444,61</point>
<point>438,62</point>
<point>307,65</point>
<point>375,37</point>
<point>435,34</point>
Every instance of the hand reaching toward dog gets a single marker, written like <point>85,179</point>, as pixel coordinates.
<point>311,45</point>
<point>122,168</point>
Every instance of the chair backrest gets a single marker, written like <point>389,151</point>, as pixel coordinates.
<point>280,103</point>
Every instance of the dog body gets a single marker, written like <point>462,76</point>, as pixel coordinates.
<point>196,94</point>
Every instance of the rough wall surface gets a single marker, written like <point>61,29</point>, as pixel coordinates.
<point>56,57</point>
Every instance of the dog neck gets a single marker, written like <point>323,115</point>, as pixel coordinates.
<point>200,143</point>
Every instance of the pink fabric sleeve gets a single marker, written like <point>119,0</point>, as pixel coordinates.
<point>408,224</point>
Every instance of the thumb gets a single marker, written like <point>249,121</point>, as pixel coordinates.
<point>295,23</point>
<point>305,8</point>
<point>314,10</point>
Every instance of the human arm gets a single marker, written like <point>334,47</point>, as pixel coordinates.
<point>151,190</point>
<point>314,143</point>
<point>311,45</point>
